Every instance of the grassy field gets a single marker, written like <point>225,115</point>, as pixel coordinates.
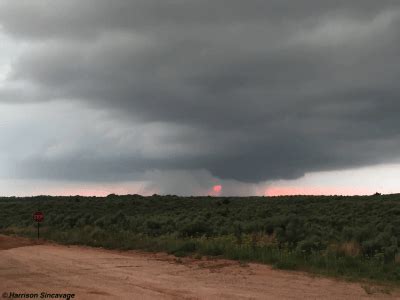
<point>348,237</point>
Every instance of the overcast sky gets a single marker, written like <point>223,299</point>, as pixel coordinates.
<point>260,97</point>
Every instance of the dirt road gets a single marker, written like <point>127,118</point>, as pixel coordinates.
<point>26,267</point>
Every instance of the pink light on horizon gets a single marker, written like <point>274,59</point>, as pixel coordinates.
<point>89,190</point>
<point>293,190</point>
<point>217,188</point>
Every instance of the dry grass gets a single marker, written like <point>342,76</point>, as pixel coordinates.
<point>373,289</point>
<point>397,259</point>
<point>259,239</point>
<point>351,248</point>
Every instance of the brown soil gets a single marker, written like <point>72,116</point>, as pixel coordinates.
<point>90,273</point>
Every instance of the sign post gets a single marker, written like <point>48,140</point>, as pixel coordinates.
<point>38,217</point>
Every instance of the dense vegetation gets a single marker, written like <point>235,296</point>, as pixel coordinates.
<point>353,237</point>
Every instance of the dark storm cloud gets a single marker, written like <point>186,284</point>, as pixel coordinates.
<point>271,89</point>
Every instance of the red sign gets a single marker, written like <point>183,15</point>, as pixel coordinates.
<point>38,216</point>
